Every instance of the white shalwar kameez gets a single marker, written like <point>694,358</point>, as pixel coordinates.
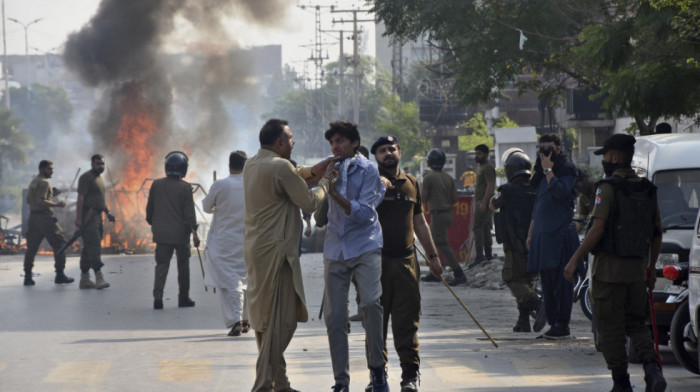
<point>224,263</point>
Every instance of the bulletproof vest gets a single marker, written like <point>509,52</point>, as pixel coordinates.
<point>513,220</point>
<point>632,220</point>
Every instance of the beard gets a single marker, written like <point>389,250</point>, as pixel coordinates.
<point>98,171</point>
<point>480,161</point>
<point>390,165</point>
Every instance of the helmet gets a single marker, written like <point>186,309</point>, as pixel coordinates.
<point>176,164</point>
<point>517,163</point>
<point>509,151</point>
<point>436,159</point>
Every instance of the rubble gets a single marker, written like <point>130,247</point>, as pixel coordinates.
<point>486,275</point>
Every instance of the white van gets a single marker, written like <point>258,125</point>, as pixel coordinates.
<point>672,163</point>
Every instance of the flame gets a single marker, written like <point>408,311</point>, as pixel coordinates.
<point>136,140</point>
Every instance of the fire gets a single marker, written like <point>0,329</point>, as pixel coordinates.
<point>136,141</point>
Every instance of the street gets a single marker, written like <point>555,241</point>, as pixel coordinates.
<point>60,338</point>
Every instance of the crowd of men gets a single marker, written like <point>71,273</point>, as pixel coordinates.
<point>374,213</point>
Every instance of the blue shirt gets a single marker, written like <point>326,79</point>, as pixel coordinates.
<point>358,233</point>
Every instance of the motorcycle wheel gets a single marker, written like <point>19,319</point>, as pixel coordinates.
<point>684,343</point>
<point>587,302</point>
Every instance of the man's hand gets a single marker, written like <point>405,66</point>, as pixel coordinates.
<point>111,217</point>
<point>651,278</point>
<point>330,172</point>
<point>195,239</point>
<point>386,182</point>
<point>61,204</point>
<point>318,169</point>
<point>78,221</point>
<point>546,161</point>
<point>435,266</point>
<point>570,270</point>
<point>527,242</point>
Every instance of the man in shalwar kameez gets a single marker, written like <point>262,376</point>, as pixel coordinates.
<point>274,193</point>
<point>224,262</point>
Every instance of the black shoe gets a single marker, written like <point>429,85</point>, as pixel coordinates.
<point>523,323</point>
<point>158,302</point>
<point>236,329</point>
<point>458,279</point>
<point>654,379</point>
<point>477,260</point>
<point>61,278</point>
<point>245,327</point>
<point>355,317</point>
<point>340,388</point>
<point>185,302</point>
<point>430,278</point>
<point>409,386</point>
<point>557,333</point>
<point>28,281</point>
<point>378,379</point>
<point>487,254</point>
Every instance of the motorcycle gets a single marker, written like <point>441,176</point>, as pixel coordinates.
<point>682,339</point>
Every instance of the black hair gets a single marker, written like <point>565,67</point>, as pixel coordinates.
<point>483,148</point>
<point>236,160</point>
<point>345,129</point>
<point>44,164</point>
<point>364,151</point>
<point>96,157</point>
<point>551,137</point>
<point>271,131</point>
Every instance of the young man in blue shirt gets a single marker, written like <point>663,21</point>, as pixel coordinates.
<point>353,248</point>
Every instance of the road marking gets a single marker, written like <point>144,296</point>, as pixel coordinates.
<point>176,371</point>
<point>81,372</point>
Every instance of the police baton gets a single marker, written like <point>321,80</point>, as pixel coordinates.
<point>460,302</point>
<point>91,215</point>
<point>201,264</point>
<point>653,325</point>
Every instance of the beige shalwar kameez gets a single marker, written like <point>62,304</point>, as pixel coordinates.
<point>274,193</point>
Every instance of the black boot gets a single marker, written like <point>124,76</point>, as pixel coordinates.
<point>459,277</point>
<point>653,377</point>
<point>478,259</point>
<point>61,278</point>
<point>487,253</point>
<point>523,324</point>
<point>28,281</point>
<point>409,377</point>
<point>184,301</point>
<point>158,301</point>
<point>430,278</point>
<point>621,380</point>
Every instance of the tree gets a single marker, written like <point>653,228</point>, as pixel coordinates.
<point>627,51</point>
<point>13,142</point>
<point>401,119</point>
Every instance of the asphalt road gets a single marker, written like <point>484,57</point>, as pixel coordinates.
<point>60,338</point>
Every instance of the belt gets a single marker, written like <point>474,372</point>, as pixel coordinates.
<point>40,212</point>
<point>397,252</point>
<point>439,210</point>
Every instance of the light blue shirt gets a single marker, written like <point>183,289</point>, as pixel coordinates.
<point>358,233</point>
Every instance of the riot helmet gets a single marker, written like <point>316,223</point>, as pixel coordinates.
<point>436,159</point>
<point>176,164</point>
<point>517,163</point>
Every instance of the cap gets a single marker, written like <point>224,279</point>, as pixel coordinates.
<point>618,141</point>
<point>382,141</point>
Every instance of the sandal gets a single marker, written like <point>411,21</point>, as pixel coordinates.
<point>246,326</point>
<point>236,329</point>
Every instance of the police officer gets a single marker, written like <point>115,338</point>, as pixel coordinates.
<point>440,193</point>
<point>42,224</point>
<point>170,212</point>
<point>516,200</point>
<point>483,217</point>
<point>625,238</point>
<point>89,207</point>
<point>401,215</point>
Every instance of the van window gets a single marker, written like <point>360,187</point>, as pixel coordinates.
<point>678,195</point>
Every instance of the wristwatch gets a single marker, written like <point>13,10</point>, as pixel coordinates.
<point>546,171</point>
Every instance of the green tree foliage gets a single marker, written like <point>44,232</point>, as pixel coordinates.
<point>401,119</point>
<point>43,110</point>
<point>634,55</point>
<point>479,135</point>
<point>14,143</point>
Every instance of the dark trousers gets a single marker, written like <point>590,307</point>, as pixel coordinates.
<point>91,255</point>
<point>483,221</point>
<point>401,303</point>
<point>164,252</point>
<point>518,280</point>
<point>42,226</point>
<point>558,294</point>
<point>621,310</point>
<point>440,222</point>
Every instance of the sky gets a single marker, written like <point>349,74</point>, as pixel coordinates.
<point>59,18</point>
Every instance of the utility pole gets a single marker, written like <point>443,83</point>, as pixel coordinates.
<point>4,60</point>
<point>341,72</point>
<point>26,46</point>
<point>355,60</point>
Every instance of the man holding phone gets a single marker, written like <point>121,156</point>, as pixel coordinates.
<point>552,238</point>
